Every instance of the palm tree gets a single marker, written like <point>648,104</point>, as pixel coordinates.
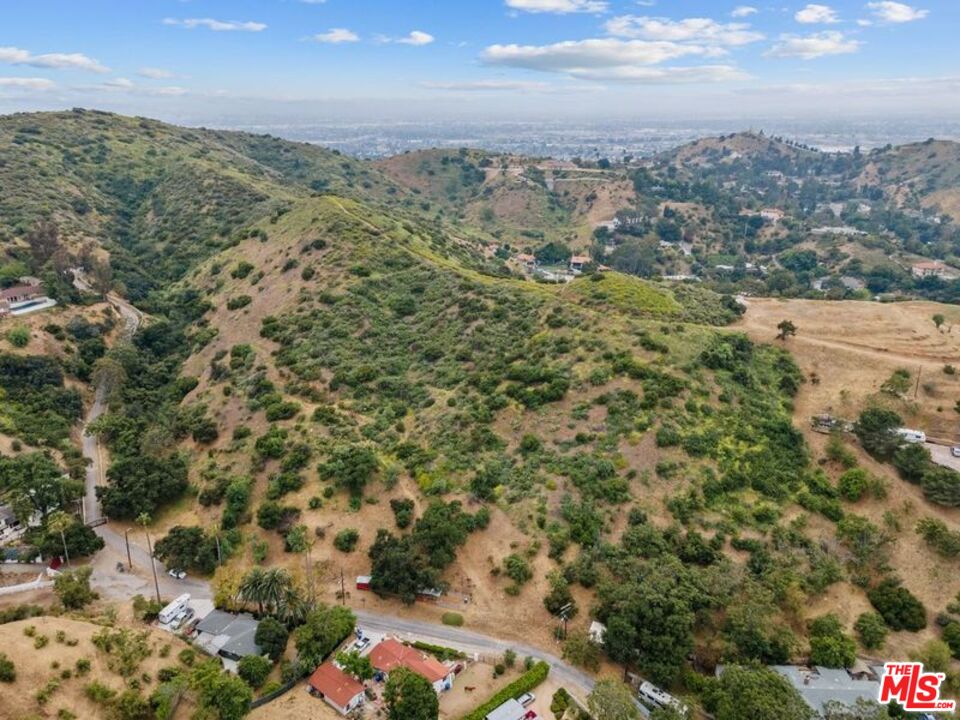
<point>276,584</point>
<point>251,587</point>
<point>60,522</point>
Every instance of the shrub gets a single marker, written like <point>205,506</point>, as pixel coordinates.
<point>871,630</point>
<point>526,682</point>
<point>18,336</point>
<point>900,609</point>
<point>346,540</point>
<point>240,301</point>
<point>938,536</point>
<point>254,670</point>
<point>8,671</point>
<point>951,636</point>
<point>853,484</point>
<point>453,619</point>
<point>402,512</point>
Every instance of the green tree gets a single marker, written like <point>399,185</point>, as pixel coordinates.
<point>829,646</point>
<point>356,665</point>
<point>612,699</point>
<point>938,320</point>
<point>351,467</point>
<point>271,637</point>
<point>900,609</point>
<point>324,629</point>
<point>871,629</point>
<point>227,696</point>
<point>951,636</point>
<point>912,461</point>
<point>35,484</point>
<point>72,588</point>
<point>757,693</point>
<point>876,428</point>
<point>785,329</point>
<point>580,650</point>
<point>941,485</point>
<point>409,696</point>
<point>254,669</point>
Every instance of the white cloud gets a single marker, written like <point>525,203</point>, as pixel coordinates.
<point>486,85</point>
<point>896,12</point>
<point>216,25</point>
<point>808,47</point>
<point>120,83</point>
<point>702,30</point>
<point>26,83</point>
<point>613,60</point>
<point>59,61</point>
<point>154,73</point>
<point>817,15</point>
<point>337,35</point>
<point>417,37</point>
<point>125,85</point>
<point>741,11</point>
<point>561,7</point>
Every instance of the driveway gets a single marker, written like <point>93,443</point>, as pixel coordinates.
<point>941,456</point>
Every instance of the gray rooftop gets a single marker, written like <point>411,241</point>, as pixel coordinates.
<point>820,685</point>
<point>237,633</point>
<point>510,710</point>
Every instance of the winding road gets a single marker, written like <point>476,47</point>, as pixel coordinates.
<point>120,586</point>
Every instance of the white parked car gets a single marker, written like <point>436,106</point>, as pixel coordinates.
<point>360,645</point>
<point>526,699</point>
<point>177,573</point>
<point>955,451</point>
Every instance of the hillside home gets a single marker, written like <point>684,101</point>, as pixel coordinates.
<point>391,654</point>
<point>928,269</point>
<point>21,293</point>
<point>819,686</point>
<point>578,262</point>
<point>526,261</point>
<point>228,636</point>
<point>773,215</point>
<point>339,690</point>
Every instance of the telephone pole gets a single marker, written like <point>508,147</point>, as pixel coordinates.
<point>343,592</point>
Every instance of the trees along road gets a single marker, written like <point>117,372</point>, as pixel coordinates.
<point>122,585</point>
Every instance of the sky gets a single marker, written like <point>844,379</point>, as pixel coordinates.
<point>286,60</point>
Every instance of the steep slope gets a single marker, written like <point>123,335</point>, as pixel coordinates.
<point>154,195</point>
<point>923,174</point>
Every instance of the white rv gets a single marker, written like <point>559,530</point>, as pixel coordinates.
<point>912,436</point>
<point>650,695</point>
<point>171,611</point>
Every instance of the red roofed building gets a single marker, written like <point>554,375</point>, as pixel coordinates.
<point>340,691</point>
<point>391,654</point>
<point>578,262</point>
<point>929,269</point>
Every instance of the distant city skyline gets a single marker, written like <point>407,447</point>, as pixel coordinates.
<point>236,61</point>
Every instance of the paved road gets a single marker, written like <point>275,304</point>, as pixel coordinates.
<point>942,456</point>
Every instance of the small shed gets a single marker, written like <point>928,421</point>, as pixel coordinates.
<point>363,582</point>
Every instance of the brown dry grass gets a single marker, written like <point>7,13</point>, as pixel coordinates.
<point>34,668</point>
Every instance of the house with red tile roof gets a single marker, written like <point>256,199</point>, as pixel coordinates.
<point>339,690</point>
<point>391,654</point>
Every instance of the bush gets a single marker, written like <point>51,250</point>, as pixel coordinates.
<point>453,619</point>
<point>18,336</point>
<point>853,484</point>
<point>8,671</point>
<point>240,301</point>
<point>526,682</point>
<point>900,609</point>
<point>346,540</point>
<point>402,512</point>
<point>951,636</point>
<point>254,670</point>
<point>871,630</point>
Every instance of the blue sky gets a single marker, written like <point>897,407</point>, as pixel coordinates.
<point>575,57</point>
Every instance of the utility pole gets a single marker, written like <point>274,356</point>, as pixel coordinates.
<point>219,555</point>
<point>343,592</point>
<point>144,519</point>
<point>126,538</point>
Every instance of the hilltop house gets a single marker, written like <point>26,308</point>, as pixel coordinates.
<point>339,690</point>
<point>391,654</point>
<point>24,298</point>
<point>528,262</point>
<point>929,269</point>
<point>229,636</point>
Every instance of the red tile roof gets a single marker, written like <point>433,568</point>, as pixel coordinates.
<point>20,291</point>
<point>391,653</point>
<point>335,684</point>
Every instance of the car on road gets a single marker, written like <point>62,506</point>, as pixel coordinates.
<point>360,645</point>
<point>526,699</point>
<point>177,573</point>
<point>955,451</point>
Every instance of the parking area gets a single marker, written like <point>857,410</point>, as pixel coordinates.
<point>943,455</point>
